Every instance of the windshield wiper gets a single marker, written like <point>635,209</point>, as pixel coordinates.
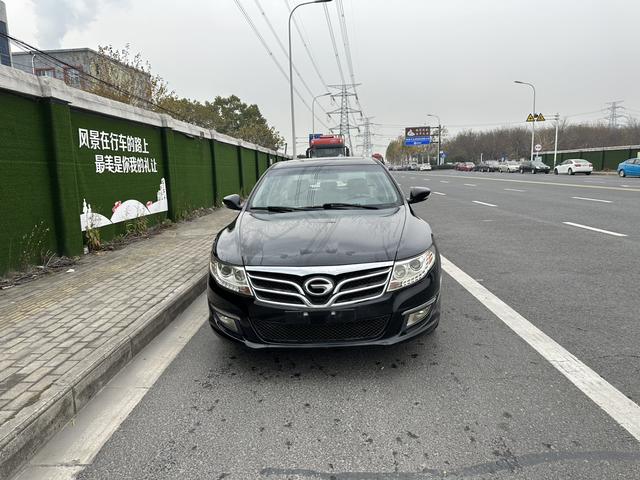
<point>338,205</point>
<point>278,209</point>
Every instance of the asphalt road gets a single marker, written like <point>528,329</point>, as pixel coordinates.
<point>473,400</point>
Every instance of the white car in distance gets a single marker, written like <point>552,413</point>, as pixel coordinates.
<point>424,167</point>
<point>573,166</point>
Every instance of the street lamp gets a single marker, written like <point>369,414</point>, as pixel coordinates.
<point>293,120</point>
<point>313,115</point>
<point>533,124</point>
<point>439,135</point>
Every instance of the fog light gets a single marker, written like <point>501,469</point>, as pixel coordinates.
<point>227,322</point>
<point>418,316</point>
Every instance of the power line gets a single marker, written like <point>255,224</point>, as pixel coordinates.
<point>275,60</point>
<point>306,47</point>
<point>333,42</point>
<point>284,50</point>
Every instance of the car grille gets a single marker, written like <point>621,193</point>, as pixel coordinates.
<point>351,284</point>
<point>278,332</point>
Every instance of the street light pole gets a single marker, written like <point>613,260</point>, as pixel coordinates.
<point>533,124</point>
<point>439,135</point>
<point>555,147</point>
<point>293,120</point>
<point>313,115</point>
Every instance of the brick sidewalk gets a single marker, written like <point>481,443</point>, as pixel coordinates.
<point>55,332</point>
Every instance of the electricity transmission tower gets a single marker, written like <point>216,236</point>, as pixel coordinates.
<point>346,91</point>
<point>367,145</point>
<point>613,115</point>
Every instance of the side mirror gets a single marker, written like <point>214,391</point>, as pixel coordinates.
<point>232,202</point>
<point>418,194</point>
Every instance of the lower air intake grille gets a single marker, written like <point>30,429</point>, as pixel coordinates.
<point>278,332</point>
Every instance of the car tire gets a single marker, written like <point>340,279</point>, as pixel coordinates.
<point>546,172</point>
<point>522,170</point>
<point>588,173</point>
<point>533,170</point>
<point>570,172</point>
<point>555,171</point>
<point>622,173</point>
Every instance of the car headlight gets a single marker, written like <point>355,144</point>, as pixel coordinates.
<point>407,272</point>
<point>231,277</point>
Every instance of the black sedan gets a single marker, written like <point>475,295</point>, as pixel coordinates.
<point>325,253</point>
<point>534,167</point>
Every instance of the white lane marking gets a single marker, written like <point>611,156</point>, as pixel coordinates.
<point>553,183</point>
<point>586,227</point>
<point>601,392</point>
<point>74,447</point>
<point>483,203</point>
<point>444,181</point>
<point>514,190</point>
<point>592,199</point>
<point>469,185</point>
<point>439,193</point>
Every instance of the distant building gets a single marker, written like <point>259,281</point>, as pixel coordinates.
<point>82,61</point>
<point>5,47</point>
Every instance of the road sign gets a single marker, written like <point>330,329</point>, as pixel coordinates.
<point>443,155</point>
<point>538,147</point>
<point>416,141</point>
<point>414,136</point>
<point>417,132</point>
<point>536,117</point>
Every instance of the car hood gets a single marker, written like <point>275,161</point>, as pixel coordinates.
<point>331,237</point>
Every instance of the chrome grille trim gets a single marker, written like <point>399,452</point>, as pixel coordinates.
<point>261,274</point>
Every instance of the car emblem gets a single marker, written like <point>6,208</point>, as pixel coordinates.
<point>318,286</point>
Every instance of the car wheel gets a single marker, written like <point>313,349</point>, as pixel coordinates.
<point>588,173</point>
<point>546,172</point>
<point>533,170</point>
<point>570,172</point>
<point>555,171</point>
<point>622,173</point>
<point>522,170</point>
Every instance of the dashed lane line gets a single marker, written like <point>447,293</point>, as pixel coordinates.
<point>439,193</point>
<point>594,229</point>
<point>484,203</point>
<point>623,410</point>
<point>514,190</point>
<point>592,199</point>
<point>470,185</point>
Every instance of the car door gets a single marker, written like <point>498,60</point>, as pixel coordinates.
<point>564,166</point>
<point>634,168</point>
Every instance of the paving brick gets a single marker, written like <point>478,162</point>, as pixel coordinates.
<point>50,327</point>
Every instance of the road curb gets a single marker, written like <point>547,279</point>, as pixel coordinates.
<point>63,400</point>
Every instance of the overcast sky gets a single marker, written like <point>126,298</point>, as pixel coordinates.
<point>454,58</point>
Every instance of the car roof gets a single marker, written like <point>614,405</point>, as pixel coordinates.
<point>325,161</point>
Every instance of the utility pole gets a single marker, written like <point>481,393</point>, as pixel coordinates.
<point>439,136</point>
<point>346,91</point>
<point>555,148</point>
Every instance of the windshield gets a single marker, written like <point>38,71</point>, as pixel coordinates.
<point>327,152</point>
<point>315,186</point>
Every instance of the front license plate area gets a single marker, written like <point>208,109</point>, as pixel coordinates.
<point>325,317</point>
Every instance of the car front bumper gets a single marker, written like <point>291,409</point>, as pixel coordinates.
<point>383,319</point>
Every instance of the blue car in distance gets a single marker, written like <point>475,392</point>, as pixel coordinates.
<point>629,168</point>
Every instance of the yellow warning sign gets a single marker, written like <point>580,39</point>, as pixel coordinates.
<point>530,118</point>
<point>540,118</point>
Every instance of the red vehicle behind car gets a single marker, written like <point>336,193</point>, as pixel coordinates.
<point>466,167</point>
